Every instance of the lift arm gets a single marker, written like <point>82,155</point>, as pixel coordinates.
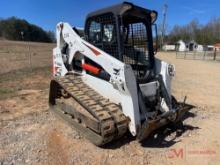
<point>122,76</point>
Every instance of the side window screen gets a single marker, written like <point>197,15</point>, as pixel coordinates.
<point>136,44</point>
<point>95,32</point>
<point>101,32</point>
<point>108,33</point>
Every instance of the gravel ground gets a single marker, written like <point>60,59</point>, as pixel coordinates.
<point>31,134</point>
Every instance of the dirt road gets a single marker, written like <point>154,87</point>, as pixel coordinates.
<point>30,134</point>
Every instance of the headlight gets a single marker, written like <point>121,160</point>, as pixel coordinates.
<point>171,70</point>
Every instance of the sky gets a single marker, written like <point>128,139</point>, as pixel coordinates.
<point>47,13</point>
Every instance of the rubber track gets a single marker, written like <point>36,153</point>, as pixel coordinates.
<point>113,123</point>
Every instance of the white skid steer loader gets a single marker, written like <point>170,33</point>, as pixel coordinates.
<point>109,82</point>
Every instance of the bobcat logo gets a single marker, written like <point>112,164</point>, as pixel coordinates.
<point>116,71</point>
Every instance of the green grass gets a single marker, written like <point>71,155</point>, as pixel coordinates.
<point>14,81</point>
<point>6,90</point>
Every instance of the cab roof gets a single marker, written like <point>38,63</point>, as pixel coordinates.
<point>120,9</point>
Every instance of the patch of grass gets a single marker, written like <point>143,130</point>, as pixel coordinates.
<point>23,73</point>
<point>26,78</point>
<point>6,90</point>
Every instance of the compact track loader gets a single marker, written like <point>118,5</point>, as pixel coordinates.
<point>109,82</point>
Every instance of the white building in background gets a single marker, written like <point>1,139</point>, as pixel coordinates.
<point>190,46</point>
<point>210,47</point>
<point>200,48</point>
<point>180,46</point>
<point>169,47</point>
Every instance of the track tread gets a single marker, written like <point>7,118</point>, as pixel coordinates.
<point>113,123</point>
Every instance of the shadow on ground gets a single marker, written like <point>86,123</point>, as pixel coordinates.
<point>163,137</point>
<point>166,136</point>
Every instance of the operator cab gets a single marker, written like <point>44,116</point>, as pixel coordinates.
<point>124,31</point>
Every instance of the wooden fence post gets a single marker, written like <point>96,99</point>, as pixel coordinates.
<point>30,60</point>
<point>204,55</point>
<point>214,58</point>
